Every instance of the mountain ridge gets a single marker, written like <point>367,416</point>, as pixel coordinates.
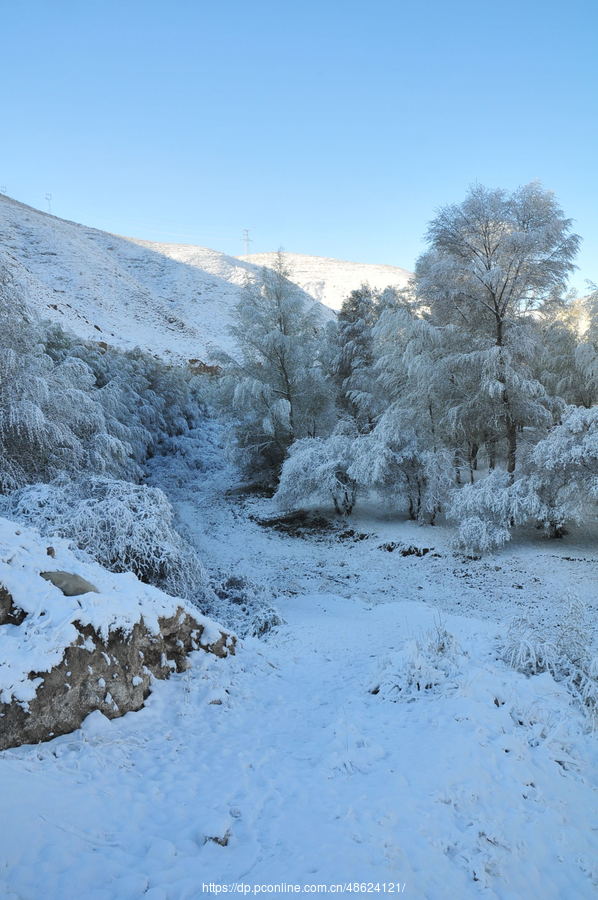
<point>330,280</point>
<point>173,300</point>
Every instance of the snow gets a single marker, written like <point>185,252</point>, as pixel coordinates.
<point>172,300</point>
<point>377,736</point>
<point>331,280</point>
<point>39,642</point>
<point>382,733</point>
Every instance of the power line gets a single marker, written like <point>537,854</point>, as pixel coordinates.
<point>246,240</point>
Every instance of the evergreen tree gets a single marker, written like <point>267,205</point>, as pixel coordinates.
<point>279,389</point>
<point>354,363</point>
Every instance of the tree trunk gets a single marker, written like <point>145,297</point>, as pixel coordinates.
<point>510,426</point>
<point>511,445</point>
<point>457,468</point>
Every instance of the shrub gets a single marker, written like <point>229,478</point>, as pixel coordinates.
<point>564,650</point>
<point>316,472</point>
<point>126,527</point>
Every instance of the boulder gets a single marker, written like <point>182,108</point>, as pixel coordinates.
<point>9,613</point>
<point>112,675</point>
<point>71,585</point>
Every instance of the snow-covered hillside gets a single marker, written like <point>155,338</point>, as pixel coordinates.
<point>331,280</point>
<point>174,300</point>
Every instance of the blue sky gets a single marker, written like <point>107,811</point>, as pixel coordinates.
<point>332,128</point>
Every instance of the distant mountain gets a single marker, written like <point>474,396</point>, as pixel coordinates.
<point>173,300</point>
<point>331,280</point>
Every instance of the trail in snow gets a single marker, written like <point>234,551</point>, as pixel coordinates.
<point>285,755</point>
<point>342,748</point>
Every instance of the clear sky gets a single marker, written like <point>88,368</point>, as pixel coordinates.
<point>333,128</point>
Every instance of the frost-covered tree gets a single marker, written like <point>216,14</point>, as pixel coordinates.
<point>564,361</point>
<point>393,462</point>
<point>67,406</point>
<point>564,471</point>
<point>279,389</point>
<point>423,390</point>
<point>586,354</point>
<point>48,422</point>
<point>486,512</point>
<point>558,488</point>
<point>354,359</point>
<point>316,473</point>
<point>493,259</point>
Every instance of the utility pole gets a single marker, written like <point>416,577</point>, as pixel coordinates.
<point>246,240</point>
<point>49,202</point>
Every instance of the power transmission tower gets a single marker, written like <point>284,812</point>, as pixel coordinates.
<point>49,201</point>
<point>3,188</point>
<point>246,240</point>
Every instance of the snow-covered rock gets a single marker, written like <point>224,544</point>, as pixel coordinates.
<point>62,657</point>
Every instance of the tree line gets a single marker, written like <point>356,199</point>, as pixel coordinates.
<point>470,394</point>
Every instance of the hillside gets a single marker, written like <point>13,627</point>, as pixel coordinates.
<point>174,300</point>
<point>331,280</point>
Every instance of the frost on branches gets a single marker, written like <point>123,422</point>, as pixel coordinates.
<point>125,527</point>
<point>77,423</point>
<point>316,473</point>
<point>558,487</point>
<point>277,388</point>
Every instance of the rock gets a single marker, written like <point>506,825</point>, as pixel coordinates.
<point>9,613</point>
<point>112,676</point>
<point>70,585</point>
<point>198,367</point>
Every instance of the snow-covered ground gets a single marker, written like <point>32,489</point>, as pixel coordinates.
<point>331,280</point>
<point>377,736</point>
<point>172,300</point>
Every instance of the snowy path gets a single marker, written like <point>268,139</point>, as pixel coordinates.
<point>300,760</point>
<point>310,778</point>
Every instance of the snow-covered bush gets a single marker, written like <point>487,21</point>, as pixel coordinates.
<point>74,407</point>
<point>423,666</point>
<point>242,605</point>
<point>125,527</point>
<point>565,650</point>
<point>565,471</point>
<point>316,473</point>
<point>394,464</point>
<point>487,511</point>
